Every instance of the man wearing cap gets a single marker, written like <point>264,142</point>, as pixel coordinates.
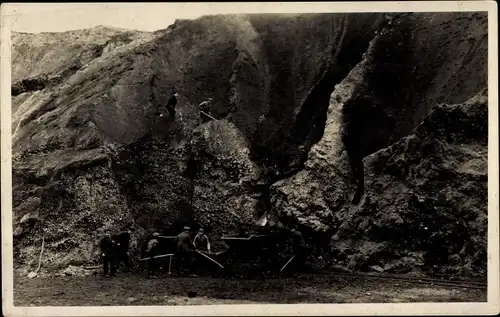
<point>185,249</point>
<point>299,246</point>
<point>171,103</point>
<point>122,247</point>
<point>107,246</point>
<point>151,252</point>
<point>201,241</point>
<point>205,107</point>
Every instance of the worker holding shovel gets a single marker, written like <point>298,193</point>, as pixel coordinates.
<point>170,107</point>
<point>185,251</point>
<point>201,241</point>
<point>152,251</point>
<point>205,108</point>
<point>171,103</point>
<point>300,249</point>
<point>299,246</point>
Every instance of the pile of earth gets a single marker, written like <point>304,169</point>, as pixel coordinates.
<point>299,119</point>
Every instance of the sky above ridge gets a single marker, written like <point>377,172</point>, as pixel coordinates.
<point>42,17</point>
<point>60,17</point>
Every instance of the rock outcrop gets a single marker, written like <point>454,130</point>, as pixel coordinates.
<point>426,198</point>
<point>380,100</point>
<point>295,117</point>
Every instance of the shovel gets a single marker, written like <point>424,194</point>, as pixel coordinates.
<point>35,274</point>
<point>284,266</point>
<point>209,258</point>
<point>208,115</point>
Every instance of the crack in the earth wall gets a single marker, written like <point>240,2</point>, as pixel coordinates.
<point>370,117</point>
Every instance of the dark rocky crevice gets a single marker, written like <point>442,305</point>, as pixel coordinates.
<point>32,84</point>
<point>311,120</point>
<point>309,126</point>
<point>370,117</point>
<point>290,156</point>
<point>48,81</point>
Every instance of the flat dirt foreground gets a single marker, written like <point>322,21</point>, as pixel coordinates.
<point>129,289</point>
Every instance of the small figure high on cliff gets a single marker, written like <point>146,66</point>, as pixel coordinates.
<point>171,103</point>
<point>205,108</point>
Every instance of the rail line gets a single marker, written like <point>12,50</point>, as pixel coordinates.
<point>416,280</point>
<point>457,278</point>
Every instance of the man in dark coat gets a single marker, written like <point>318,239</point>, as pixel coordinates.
<point>122,247</point>
<point>107,246</point>
<point>299,247</point>
<point>185,249</point>
<point>171,103</point>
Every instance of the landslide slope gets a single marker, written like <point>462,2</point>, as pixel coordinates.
<point>60,160</point>
<point>75,170</point>
<point>89,153</point>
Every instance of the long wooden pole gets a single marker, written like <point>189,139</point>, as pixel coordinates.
<point>208,115</point>
<point>157,257</point>
<point>287,263</point>
<point>40,258</point>
<point>220,265</point>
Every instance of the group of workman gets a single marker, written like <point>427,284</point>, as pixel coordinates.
<point>115,250</point>
<point>185,250</point>
<point>204,108</point>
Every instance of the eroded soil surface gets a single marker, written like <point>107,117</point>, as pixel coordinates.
<point>306,288</point>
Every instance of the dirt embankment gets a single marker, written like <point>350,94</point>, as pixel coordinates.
<point>89,155</point>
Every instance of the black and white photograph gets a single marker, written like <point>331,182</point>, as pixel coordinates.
<point>250,158</point>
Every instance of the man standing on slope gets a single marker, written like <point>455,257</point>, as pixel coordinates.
<point>171,103</point>
<point>205,107</point>
<point>185,249</point>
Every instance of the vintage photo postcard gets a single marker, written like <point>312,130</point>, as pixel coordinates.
<point>319,158</point>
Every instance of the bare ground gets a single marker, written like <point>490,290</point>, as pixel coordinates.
<point>307,288</point>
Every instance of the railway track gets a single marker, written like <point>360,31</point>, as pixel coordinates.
<point>416,280</point>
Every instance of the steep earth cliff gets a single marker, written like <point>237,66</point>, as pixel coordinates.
<point>296,116</point>
<point>425,203</point>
